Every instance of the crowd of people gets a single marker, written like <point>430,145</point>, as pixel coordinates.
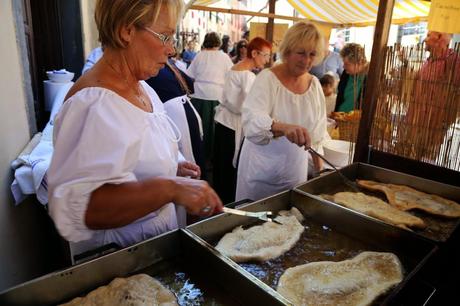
<point>146,130</point>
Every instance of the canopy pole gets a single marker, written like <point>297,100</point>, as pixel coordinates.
<point>271,21</point>
<point>382,30</point>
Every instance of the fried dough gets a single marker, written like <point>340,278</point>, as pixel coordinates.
<point>356,281</point>
<point>374,207</point>
<point>263,242</point>
<point>136,290</point>
<point>407,198</point>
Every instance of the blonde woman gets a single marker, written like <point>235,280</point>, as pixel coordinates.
<point>114,173</point>
<point>283,115</point>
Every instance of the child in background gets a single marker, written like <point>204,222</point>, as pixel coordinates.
<point>328,83</point>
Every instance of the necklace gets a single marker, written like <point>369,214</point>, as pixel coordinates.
<point>137,92</point>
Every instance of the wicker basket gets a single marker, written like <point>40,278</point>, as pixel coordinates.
<point>348,129</point>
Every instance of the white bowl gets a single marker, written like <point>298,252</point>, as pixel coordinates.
<point>337,152</point>
<point>60,76</point>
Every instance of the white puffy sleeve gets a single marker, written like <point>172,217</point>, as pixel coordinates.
<point>319,132</point>
<point>94,144</point>
<point>257,109</point>
<point>236,90</point>
<point>192,69</point>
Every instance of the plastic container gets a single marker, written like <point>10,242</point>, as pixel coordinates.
<point>338,152</point>
<point>60,76</point>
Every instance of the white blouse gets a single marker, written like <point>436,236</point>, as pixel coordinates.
<point>101,138</point>
<point>269,100</point>
<point>208,69</point>
<point>228,112</point>
<point>270,165</point>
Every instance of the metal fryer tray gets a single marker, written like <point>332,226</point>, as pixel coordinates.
<point>438,229</point>
<point>412,250</point>
<point>174,258</point>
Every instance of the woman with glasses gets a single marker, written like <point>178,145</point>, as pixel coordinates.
<point>114,175</point>
<point>241,51</point>
<point>228,128</point>
<point>283,115</point>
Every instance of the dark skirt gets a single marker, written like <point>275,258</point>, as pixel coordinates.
<point>205,109</point>
<point>224,174</point>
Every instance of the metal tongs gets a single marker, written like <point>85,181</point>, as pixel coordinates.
<point>345,179</point>
<point>261,215</point>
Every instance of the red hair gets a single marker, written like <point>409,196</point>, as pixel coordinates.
<point>257,44</point>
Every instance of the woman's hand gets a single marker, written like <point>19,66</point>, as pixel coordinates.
<point>196,196</point>
<point>188,169</point>
<point>294,133</point>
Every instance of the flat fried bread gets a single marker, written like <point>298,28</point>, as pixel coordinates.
<point>374,207</point>
<point>263,242</point>
<point>136,290</point>
<point>356,281</point>
<point>407,198</point>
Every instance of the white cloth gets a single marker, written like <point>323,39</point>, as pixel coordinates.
<point>33,162</point>
<point>100,138</point>
<point>181,65</point>
<point>175,110</point>
<point>228,113</point>
<point>330,103</point>
<point>208,69</point>
<point>92,59</point>
<point>269,165</point>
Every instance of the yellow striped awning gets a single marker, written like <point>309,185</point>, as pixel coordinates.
<point>359,12</point>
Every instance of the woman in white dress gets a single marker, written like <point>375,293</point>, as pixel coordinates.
<point>113,176</point>
<point>208,70</point>
<point>228,130</point>
<point>283,115</point>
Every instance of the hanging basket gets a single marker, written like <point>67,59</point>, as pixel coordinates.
<point>348,125</point>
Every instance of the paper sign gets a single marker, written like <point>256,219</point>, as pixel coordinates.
<point>444,16</point>
<point>258,29</point>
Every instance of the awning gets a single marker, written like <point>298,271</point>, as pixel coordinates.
<point>359,12</point>
<point>351,12</point>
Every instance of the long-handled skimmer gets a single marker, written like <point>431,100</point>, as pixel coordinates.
<point>261,215</point>
<point>345,179</point>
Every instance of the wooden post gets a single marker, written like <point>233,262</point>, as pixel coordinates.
<point>382,29</point>
<point>271,21</point>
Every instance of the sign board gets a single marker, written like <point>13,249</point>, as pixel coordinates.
<point>258,29</point>
<point>444,16</point>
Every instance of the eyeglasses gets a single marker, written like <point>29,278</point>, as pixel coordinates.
<point>266,55</point>
<point>165,39</point>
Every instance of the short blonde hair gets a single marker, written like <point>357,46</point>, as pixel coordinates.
<point>112,15</point>
<point>303,34</point>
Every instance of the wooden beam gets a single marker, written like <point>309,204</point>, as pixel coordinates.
<point>271,21</point>
<point>382,29</point>
<point>249,13</point>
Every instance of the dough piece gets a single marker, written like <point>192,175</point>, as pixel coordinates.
<point>356,281</point>
<point>406,198</point>
<point>374,207</point>
<point>263,242</point>
<point>136,290</point>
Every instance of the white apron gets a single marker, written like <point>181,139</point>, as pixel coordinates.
<point>264,170</point>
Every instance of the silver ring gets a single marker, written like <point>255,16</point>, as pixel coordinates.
<point>206,209</point>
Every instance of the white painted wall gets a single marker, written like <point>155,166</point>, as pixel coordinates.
<point>23,228</point>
